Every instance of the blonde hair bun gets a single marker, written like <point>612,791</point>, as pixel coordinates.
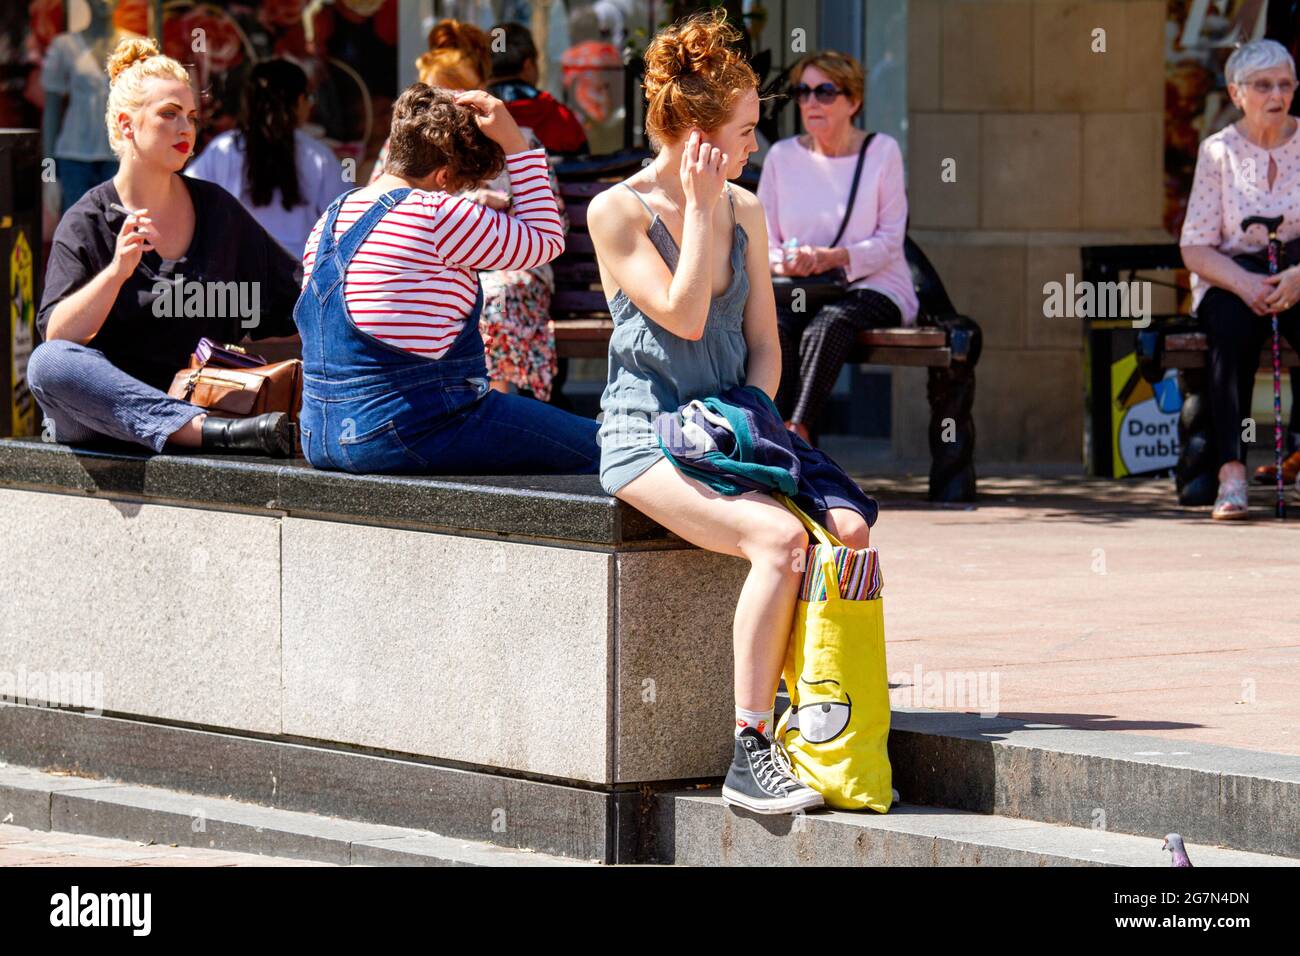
<point>130,50</point>
<point>135,61</point>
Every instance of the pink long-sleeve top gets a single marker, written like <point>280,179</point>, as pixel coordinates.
<point>1231,184</point>
<point>412,282</point>
<point>805,194</point>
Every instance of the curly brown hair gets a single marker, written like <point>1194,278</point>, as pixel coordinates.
<point>694,73</point>
<point>430,132</point>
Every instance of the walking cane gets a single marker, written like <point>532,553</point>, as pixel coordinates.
<point>1274,245</point>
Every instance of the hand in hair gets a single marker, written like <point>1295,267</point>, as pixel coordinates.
<point>703,171</point>
<point>494,120</point>
<point>492,198</point>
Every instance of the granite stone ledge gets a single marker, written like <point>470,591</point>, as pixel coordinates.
<point>572,508</point>
<point>708,833</point>
<point>476,651</point>
<point>98,609</point>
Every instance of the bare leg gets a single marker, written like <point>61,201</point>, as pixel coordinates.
<point>500,386</point>
<point>800,429</point>
<point>1232,470</point>
<point>849,526</point>
<point>753,526</point>
<point>189,435</point>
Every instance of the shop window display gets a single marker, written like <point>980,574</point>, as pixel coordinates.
<point>348,49</point>
<point>51,71</point>
<point>1199,37</point>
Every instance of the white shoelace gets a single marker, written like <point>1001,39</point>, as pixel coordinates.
<point>777,769</point>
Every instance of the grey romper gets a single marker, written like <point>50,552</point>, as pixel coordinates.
<point>651,370</point>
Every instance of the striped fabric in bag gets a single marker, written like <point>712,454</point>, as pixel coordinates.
<point>858,573</point>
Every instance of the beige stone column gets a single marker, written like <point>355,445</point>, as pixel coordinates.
<point>1054,147</point>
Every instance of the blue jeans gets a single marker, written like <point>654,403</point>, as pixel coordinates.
<point>496,435</point>
<point>77,177</point>
<point>371,407</point>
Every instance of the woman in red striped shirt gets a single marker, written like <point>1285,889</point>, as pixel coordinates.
<point>394,373</point>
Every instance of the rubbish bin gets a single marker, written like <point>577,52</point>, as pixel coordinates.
<point>20,274</point>
<point>1130,424</point>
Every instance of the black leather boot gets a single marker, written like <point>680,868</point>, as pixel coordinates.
<point>269,434</point>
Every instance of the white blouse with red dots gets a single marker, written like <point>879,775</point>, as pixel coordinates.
<point>1231,183</point>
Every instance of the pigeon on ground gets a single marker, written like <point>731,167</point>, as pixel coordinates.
<point>1174,844</point>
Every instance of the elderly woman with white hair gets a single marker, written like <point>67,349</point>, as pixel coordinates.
<point>1249,168</point>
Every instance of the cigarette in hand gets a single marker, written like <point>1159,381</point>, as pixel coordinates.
<point>122,209</point>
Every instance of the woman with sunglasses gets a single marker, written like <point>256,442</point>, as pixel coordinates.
<point>805,189</point>
<point>1248,168</point>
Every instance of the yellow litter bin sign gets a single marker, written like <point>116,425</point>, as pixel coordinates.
<point>22,335</point>
<point>1145,420</point>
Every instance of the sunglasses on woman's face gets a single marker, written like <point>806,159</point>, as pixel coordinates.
<point>825,92</point>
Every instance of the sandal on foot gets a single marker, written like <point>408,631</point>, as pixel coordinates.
<point>1231,502</point>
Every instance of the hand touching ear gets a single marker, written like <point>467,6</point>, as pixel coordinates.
<point>703,171</point>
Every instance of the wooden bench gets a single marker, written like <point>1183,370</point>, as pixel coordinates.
<point>1189,350</point>
<point>944,342</point>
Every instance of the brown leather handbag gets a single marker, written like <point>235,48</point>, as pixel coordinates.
<point>241,392</point>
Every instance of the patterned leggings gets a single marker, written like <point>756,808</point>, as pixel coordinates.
<point>814,347</point>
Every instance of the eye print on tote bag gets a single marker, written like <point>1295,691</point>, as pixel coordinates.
<point>821,721</point>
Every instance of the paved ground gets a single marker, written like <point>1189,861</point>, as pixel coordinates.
<point>20,847</point>
<point>1096,604</point>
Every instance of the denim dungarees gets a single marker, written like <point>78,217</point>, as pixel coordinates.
<point>371,407</point>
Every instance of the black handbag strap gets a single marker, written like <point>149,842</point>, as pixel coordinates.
<point>853,193</point>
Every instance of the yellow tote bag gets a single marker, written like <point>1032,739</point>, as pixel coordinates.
<point>837,728</point>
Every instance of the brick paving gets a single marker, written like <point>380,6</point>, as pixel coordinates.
<point>1099,605</point>
<point>22,847</point>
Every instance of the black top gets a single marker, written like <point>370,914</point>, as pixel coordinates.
<point>229,245</point>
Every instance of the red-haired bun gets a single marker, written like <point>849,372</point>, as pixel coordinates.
<point>693,76</point>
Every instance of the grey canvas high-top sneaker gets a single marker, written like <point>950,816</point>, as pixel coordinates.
<point>761,779</point>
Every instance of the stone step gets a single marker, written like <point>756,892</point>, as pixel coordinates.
<point>476,804</point>
<point>49,801</point>
<point>1124,782</point>
<point>1119,782</point>
<point>1019,768</point>
<point>706,832</point>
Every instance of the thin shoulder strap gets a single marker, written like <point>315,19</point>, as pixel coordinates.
<point>853,193</point>
<point>731,202</point>
<point>639,198</point>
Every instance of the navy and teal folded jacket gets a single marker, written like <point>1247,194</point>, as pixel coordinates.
<point>737,442</point>
<point>734,442</point>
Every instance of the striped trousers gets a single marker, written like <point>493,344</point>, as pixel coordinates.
<point>85,396</point>
<point>814,347</point>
